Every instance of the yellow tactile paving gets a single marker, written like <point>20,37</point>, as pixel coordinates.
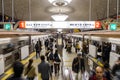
<point>10,71</point>
<point>99,63</point>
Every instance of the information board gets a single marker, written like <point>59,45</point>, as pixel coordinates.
<point>60,24</point>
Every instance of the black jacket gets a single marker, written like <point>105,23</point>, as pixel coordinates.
<point>77,65</point>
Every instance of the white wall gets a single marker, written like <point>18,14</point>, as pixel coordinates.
<point>24,51</point>
<point>92,50</point>
<point>113,58</point>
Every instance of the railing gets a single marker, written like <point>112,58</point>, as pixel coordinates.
<point>98,63</point>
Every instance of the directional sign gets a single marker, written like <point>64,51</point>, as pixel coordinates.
<point>113,26</point>
<point>22,24</point>
<point>58,24</point>
<point>7,26</point>
<point>97,24</point>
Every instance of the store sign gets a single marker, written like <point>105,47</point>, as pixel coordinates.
<point>57,24</point>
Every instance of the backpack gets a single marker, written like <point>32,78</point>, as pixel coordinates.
<point>57,59</point>
<point>51,56</point>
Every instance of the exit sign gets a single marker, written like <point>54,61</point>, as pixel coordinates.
<point>7,26</point>
<point>113,26</point>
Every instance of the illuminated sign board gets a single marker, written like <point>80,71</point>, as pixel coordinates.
<point>113,26</point>
<point>57,24</point>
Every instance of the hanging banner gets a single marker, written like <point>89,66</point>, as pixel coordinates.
<point>58,24</point>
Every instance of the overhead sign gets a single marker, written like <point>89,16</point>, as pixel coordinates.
<point>113,26</point>
<point>7,26</point>
<point>57,24</point>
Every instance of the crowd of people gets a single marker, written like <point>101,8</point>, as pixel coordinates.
<point>50,63</point>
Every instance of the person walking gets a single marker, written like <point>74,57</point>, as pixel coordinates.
<point>51,59</point>
<point>57,61</point>
<point>44,69</point>
<point>37,48</point>
<point>30,70</point>
<point>18,68</point>
<point>78,65</point>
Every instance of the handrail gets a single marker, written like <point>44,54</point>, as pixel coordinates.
<point>95,61</point>
<point>98,63</point>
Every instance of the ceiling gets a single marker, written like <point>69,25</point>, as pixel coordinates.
<point>40,9</point>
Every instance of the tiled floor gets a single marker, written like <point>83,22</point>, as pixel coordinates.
<point>67,62</point>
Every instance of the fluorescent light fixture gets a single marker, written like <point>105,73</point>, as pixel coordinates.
<point>60,2</point>
<point>59,17</point>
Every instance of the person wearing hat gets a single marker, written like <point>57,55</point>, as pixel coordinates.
<point>78,65</point>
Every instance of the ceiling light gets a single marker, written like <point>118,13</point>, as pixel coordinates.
<point>61,9</point>
<point>59,17</point>
<point>60,2</point>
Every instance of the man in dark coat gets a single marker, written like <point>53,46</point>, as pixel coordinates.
<point>37,48</point>
<point>78,64</point>
<point>18,68</point>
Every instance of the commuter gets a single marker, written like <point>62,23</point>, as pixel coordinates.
<point>78,65</point>
<point>116,70</point>
<point>77,47</point>
<point>46,43</point>
<point>37,47</point>
<point>57,61</point>
<point>85,49</point>
<point>50,45</point>
<point>51,59</point>
<point>69,46</point>
<point>98,74</point>
<point>106,52</point>
<point>47,52</point>
<point>18,70</point>
<point>44,69</point>
<point>99,53</point>
<point>40,43</point>
<point>30,70</point>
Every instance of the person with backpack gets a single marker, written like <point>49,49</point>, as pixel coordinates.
<point>57,61</point>
<point>51,59</point>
